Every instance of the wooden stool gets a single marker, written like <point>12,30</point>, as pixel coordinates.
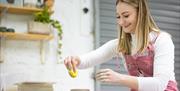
<point>35,86</point>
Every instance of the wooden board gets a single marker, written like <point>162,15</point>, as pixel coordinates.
<point>25,36</point>
<point>19,9</point>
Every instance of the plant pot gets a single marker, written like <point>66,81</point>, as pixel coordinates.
<point>39,28</point>
<point>10,1</point>
<point>49,3</point>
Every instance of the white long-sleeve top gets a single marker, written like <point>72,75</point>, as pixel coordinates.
<point>163,70</point>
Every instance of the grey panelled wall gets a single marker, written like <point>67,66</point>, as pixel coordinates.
<point>106,31</point>
<point>167,16</point>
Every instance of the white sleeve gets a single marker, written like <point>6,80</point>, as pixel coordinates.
<point>100,55</point>
<point>163,66</point>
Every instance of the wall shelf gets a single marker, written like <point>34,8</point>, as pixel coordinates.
<point>25,36</point>
<point>18,9</point>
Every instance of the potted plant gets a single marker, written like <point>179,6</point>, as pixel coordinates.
<point>43,24</point>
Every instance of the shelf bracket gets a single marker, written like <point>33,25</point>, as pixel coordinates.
<point>3,12</point>
<point>42,52</point>
<point>2,43</point>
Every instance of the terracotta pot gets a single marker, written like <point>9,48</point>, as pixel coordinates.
<point>49,3</point>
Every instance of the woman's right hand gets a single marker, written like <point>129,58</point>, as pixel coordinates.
<point>72,62</point>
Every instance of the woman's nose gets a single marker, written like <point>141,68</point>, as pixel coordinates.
<point>120,22</point>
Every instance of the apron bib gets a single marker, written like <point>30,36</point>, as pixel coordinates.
<point>141,65</point>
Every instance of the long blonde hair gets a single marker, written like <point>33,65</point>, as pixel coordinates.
<point>145,24</point>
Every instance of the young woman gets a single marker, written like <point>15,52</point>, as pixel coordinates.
<point>148,52</point>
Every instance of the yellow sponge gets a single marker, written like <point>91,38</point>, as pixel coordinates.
<point>72,73</point>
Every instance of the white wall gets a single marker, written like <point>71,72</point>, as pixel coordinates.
<point>22,58</point>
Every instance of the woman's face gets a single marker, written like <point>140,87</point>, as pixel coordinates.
<point>126,17</point>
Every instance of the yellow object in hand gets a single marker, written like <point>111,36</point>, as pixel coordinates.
<point>72,73</point>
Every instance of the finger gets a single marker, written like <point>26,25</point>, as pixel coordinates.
<point>66,62</point>
<point>69,67</point>
<point>73,64</point>
<point>102,77</point>
<point>100,74</point>
<point>105,80</point>
<point>102,71</point>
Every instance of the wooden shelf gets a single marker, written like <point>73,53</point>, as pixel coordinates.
<point>24,36</point>
<point>19,10</point>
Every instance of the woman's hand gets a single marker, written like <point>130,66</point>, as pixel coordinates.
<point>72,62</point>
<point>108,76</point>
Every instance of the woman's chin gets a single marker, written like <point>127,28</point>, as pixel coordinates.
<point>127,31</point>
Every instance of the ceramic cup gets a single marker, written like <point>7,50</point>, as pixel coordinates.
<point>79,90</point>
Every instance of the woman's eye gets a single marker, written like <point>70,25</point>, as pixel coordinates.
<point>118,17</point>
<point>126,16</point>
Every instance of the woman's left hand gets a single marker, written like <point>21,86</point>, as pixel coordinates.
<point>108,76</point>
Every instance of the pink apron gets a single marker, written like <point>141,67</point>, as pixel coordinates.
<point>142,65</point>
